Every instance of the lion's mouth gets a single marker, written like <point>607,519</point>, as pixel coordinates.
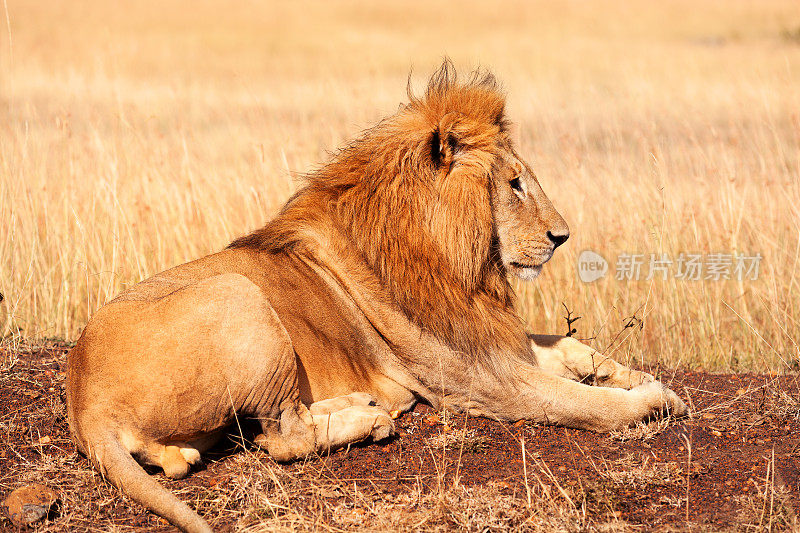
<point>525,271</point>
<point>516,264</point>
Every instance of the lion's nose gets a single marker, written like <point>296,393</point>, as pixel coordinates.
<point>557,239</point>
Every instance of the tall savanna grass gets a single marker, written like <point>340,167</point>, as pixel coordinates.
<point>138,135</point>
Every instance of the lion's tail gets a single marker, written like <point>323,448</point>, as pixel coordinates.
<point>119,467</point>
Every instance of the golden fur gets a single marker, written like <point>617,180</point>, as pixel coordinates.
<point>382,282</point>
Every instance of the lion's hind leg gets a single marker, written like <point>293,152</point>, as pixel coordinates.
<point>174,459</point>
<point>291,437</point>
<point>174,463</point>
<point>571,359</point>
<point>327,425</point>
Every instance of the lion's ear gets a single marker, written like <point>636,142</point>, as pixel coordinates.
<point>444,146</point>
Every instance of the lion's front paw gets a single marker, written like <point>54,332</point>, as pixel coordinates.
<point>661,400</point>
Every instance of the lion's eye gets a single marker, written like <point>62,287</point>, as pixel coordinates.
<point>516,184</point>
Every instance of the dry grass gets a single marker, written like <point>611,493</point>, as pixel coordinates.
<point>641,430</point>
<point>459,439</point>
<point>485,508</point>
<point>770,509</point>
<point>134,137</point>
<point>259,496</point>
<point>642,472</point>
<point>756,406</point>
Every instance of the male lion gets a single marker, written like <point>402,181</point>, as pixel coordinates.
<point>382,281</point>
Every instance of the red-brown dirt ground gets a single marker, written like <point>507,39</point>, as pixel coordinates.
<point>734,465</point>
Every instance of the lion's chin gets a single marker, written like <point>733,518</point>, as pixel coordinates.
<point>525,272</point>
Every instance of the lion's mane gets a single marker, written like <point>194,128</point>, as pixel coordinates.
<point>413,196</point>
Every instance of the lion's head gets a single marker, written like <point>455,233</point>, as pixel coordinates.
<point>438,203</point>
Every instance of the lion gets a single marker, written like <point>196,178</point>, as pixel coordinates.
<point>383,282</point>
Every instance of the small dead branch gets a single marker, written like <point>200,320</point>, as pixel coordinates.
<point>570,320</point>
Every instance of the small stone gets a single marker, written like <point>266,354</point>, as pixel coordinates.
<point>432,419</point>
<point>45,440</point>
<point>29,504</point>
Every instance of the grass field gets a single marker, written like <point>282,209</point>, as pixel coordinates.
<point>138,135</point>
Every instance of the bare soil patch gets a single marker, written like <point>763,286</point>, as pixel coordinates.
<point>734,466</point>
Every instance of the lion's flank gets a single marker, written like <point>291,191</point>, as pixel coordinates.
<point>413,195</point>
